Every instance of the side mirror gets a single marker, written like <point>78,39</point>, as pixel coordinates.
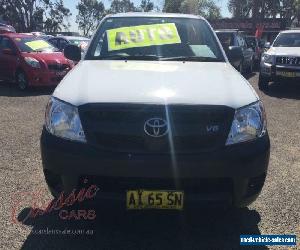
<point>72,52</point>
<point>235,54</point>
<point>9,52</point>
<point>267,45</point>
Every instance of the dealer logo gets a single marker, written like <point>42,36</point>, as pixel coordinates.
<point>156,127</point>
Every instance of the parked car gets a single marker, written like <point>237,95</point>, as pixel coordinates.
<point>231,39</point>
<point>30,61</point>
<point>61,42</point>
<point>41,35</point>
<point>38,33</point>
<point>4,28</point>
<point>155,116</point>
<point>282,60</point>
<point>258,47</point>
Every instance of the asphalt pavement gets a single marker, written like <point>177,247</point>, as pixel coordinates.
<point>22,186</point>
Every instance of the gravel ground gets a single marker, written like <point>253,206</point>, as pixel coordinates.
<point>277,210</point>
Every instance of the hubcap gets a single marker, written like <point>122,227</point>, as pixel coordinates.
<point>21,81</point>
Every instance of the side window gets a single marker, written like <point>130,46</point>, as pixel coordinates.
<point>7,44</point>
<point>244,44</point>
<point>238,40</point>
<point>62,44</point>
<point>241,41</point>
<point>53,42</point>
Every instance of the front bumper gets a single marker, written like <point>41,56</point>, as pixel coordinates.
<point>279,72</point>
<point>42,77</point>
<point>233,175</point>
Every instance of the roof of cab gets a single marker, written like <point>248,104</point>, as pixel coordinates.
<point>154,14</point>
<point>17,35</point>
<point>291,31</point>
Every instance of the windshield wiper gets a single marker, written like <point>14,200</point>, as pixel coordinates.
<point>129,57</point>
<point>192,59</point>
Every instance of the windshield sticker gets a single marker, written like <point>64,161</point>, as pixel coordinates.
<point>142,36</point>
<point>38,44</point>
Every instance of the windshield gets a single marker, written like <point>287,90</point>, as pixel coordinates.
<point>78,42</point>
<point>287,40</point>
<point>33,44</point>
<point>155,38</point>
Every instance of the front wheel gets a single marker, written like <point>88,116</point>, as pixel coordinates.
<point>263,83</point>
<point>21,80</point>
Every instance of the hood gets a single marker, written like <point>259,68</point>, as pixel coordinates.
<point>54,57</point>
<point>284,51</point>
<point>155,82</point>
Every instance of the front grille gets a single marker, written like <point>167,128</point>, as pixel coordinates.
<point>288,60</point>
<point>58,67</point>
<point>120,127</point>
<point>190,186</point>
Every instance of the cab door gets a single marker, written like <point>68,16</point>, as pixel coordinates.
<point>8,59</point>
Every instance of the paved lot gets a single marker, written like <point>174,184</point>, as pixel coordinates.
<point>277,211</point>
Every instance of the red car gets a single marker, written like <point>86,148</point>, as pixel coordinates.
<point>30,61</point>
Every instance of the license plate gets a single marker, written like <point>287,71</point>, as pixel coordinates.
<point>150,199</point>
<point>286,74</point>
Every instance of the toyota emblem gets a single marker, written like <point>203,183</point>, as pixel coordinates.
<point>156,127</point>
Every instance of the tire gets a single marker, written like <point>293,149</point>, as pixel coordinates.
<point>263,83</point>
<point>21,80</point>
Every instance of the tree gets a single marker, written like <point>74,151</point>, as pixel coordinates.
<point>172,6</point>
<point>55,17</point>
<point>206,8</point>
<point>29,15</point>
<point>146,6</point>
<point>90,12</point>
<point>241,8</point>
<point>259,9</point>
<point>121,6</point>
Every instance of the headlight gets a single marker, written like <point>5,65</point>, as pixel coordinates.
<point>267,58</point>
<point>33,62</point>
<point>63,120</point>
<point>249,123</point>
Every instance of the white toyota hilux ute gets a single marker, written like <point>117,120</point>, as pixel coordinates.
<point>281,61</point>
<point>156,117</point>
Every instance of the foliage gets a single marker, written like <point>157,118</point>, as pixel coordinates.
<point>32,15</point>
<point>146,6</point>
<point>172,6</point>
<point>90,12</point>
<point>206,8</point>
<point>121,6</point>
<point>258,9</point>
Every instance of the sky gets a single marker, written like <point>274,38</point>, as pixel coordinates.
<point>71,4</point>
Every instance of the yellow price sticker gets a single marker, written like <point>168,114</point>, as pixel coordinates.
<point>142,36</point>
<point>38,44</point>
